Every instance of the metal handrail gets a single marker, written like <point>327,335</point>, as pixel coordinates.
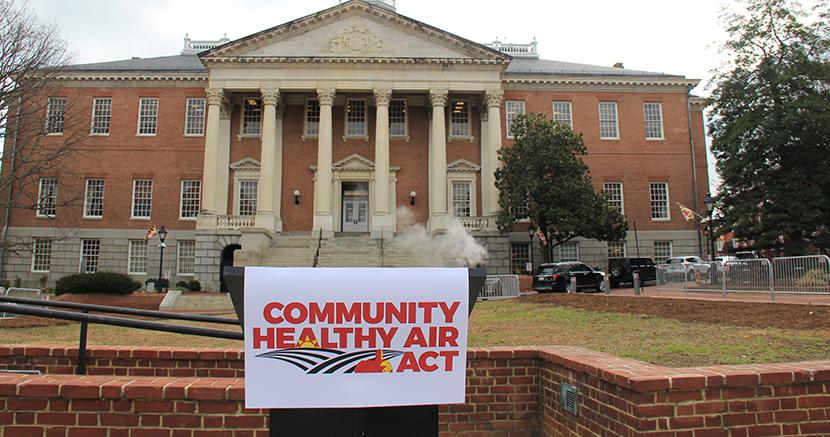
<point>119,310</point>
<point>319,243</point>
<point>30,310</point>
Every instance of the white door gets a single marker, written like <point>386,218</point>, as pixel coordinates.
<point>356,215</point>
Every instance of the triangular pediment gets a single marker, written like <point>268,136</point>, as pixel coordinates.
<point>246,164</point>
<point>355,29</point>
<point>462,165</point>
<point>354,162</point>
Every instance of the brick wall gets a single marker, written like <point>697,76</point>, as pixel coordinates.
<point>510,391</point>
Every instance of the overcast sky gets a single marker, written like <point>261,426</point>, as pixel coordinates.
<point>653,35</point>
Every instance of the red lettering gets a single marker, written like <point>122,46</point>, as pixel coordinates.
<point>367,313</point>
<point>448,356</point>
<point>408,362</point>
<point>428,307</point>
<point>289,316</point>
<point>398,313</point>
<point>350,315</point>
<point>449,311</point>
<point>285,338</point>
<point>268,311</point>
<point>425,366</point>
<point>369,338</point>
<point>415,338</point>
<point>344,336</point>
<point>449,336</point>
<point>325,343</point>
<point>387,336</point>
<point>317,314</point>
<point>267,338</point>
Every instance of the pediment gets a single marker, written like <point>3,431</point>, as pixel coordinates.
<point>354,29</point>
<point>246,164</point>
<point>354,162</point>
<point>462,165</point>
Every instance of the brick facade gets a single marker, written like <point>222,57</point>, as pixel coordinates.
<point>510,392</point>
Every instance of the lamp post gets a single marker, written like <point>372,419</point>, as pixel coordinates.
<point>709,201</point>
<point>531,230</point>
<point>162,236</point>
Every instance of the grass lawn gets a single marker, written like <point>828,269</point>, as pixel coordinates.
<point>519,322</point>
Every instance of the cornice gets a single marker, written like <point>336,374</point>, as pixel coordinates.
<point>138,76</point>
<point>241,60</point>
<point>645,81</point>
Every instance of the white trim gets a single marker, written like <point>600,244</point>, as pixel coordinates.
<point>622,193</point>
<point>34,254</point>
<point>132,202</point>
<point>575,243</point>
<point>365,135</point>
<point>242,133</point>
<point>92,119</point>
<point>40,197</point>
<point>181,199</point>
<point>469,135</point>
<point>654,251</point>
<point>204,115</point>
<point>81,255</point>
<point>668,202</point>
<point>616,120</point>
<point>662,136</point>
<point>570,111</point>
<point>405,118</point>
<point>138,121</point>
<point>305,134</point>
<point>179,258</point>
<point>86,198</point>
<point>237,182</point>
<point>507,115</point>
<point>146,256</point>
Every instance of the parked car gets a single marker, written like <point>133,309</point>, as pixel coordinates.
<point>688,264</point>
<point>747,255</point>
<point>557,277</point>
<point>622,270</point>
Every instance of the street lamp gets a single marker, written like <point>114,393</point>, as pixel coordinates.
<point>162,236</point>
<point>531,230</point>
<point>709,201</point>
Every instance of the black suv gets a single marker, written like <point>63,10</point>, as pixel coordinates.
<point>557,277</point>
<point>622,270</point>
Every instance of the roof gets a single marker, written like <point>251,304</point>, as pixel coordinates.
<point>176,63</point>
<point>532,66</point>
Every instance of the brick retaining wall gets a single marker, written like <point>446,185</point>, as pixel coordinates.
<point>510,391</point>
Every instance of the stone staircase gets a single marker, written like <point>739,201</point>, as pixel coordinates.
<point>290,249</point>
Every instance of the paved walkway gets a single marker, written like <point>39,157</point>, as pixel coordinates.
<point>655,291</point>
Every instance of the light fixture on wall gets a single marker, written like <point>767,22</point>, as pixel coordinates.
<point>296,197</point>
<point>412,195</point>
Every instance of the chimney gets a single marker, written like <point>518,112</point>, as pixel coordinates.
<point>619,65</point>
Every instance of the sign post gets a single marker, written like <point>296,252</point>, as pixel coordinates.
<point>354,351</point>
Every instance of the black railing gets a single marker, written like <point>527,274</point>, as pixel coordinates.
<point>34,307</point>
<point>317,253</point>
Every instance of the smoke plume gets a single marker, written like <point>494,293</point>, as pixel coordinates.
<point>455,248</point>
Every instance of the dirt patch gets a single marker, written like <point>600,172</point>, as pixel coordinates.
<point>31,322</point>
<point>138,300</point>
<point>751,314</point>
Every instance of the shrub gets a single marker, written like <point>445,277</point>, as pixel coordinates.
<point>194,285</point>
<point>100,282</point>
<point>182,285</point>
<point>162,283</point>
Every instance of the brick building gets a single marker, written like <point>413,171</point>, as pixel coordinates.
<point>336,122</point>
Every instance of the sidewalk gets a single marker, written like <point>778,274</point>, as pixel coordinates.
<point>655,291</point>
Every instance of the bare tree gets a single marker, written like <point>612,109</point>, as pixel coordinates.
<point>38,132</point>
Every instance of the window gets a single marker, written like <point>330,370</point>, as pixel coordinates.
<point>137,260</point>
<point>397,118</point>
<point>190,198</point>
<point>47,197</point>
<point>653,113</point>
<point>312,117</point>
<point>616,249</point>
<point>148,111</point>
<point>94,198</point>
<point>355,117</point>
<point>614,193</point>
<point>519,257</point>
<point>55,111</point>
<point>101,114</point>
<point>186,258</point>
<point>247,196</point>
<point>41,255</point>
<point>90,250</point>
<point>659,200</point>
<point>512,109</point>
<point>460,118</point>
<point>562,113</point>
<point>662,250</point>
<point>142,198</point>
<point>194,122</point>
<point>569,252</point>
<point>252,117</point>
<point>461,200</point>
<point>608,121</point>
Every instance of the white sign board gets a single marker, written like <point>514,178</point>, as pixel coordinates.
<point>354,337</point>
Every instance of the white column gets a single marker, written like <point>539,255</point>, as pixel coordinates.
<point>484,148</point>
<point>382,221</point>
<point>223,170</point>
<point>438,162</point>
<point>322,183</point>
<point>207,213</point>
<point>488,179</point>
<point>265,217</point>
<point>278,169</point>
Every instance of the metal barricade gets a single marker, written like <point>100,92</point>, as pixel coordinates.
<point>801,274</point>
<point>500,287</point>
<point>749,276</point>
<point>33,293</point>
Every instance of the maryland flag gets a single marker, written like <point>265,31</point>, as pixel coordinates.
<point>151,233</point>
<point>541,236</point>
<point>688,214</point>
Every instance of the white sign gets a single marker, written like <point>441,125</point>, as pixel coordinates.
<point>354,337</point>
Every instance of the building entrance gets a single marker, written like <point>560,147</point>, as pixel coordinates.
<point>355,207</point>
